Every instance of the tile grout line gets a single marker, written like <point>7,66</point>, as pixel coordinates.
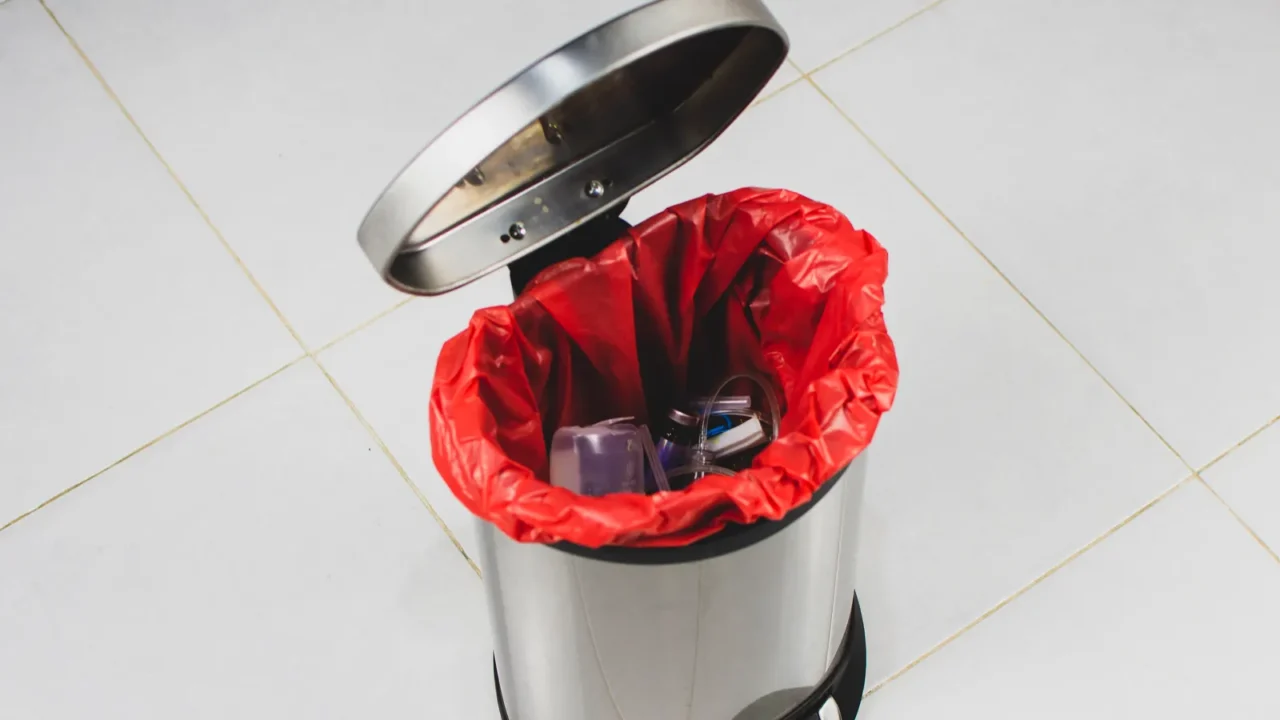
<point>404,474</point>
<point>365,323</point>
<point>1194,476</point>
<point>804,74</point>
<point>1258,539</point>
<point>1195,473</point>
<point>775,92</point>
<point>808,76</point>
<point>846,53</point>
<point>102,81</point>
<point>1200,476</point>
<point>973,246</point>
<point>1025,588</point>
<point>1238,445</point>
<point>156,439</point>
<point>111,93</point>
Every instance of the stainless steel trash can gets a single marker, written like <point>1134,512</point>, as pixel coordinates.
<point>758,622</point>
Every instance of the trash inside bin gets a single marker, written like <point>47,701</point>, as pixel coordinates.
<point>730,596</point>
<point>754,281</point>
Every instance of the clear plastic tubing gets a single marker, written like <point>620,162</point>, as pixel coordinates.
<point>701,457</point>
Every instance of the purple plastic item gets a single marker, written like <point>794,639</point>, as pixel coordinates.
<point>598,459</point>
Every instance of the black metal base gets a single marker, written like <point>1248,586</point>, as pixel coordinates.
<point>845,682</point>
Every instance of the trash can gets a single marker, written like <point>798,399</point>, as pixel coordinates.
<point>756,622</point>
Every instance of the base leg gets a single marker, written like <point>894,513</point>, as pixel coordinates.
<point>853,682</point>
<point>497,686</point>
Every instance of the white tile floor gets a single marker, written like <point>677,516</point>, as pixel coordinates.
<point>213,504</point>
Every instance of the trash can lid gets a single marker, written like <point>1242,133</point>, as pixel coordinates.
<point>572,135</point>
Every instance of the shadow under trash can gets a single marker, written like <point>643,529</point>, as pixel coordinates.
<point>725,592</point>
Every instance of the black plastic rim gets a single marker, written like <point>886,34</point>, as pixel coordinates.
<point>845,681</point>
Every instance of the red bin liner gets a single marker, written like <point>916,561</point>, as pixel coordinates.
<point>764,281</point>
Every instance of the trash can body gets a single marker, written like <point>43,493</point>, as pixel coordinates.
<point>750,633</point>
<point>756,622</point>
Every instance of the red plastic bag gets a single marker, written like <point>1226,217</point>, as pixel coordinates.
<point>763,281</point>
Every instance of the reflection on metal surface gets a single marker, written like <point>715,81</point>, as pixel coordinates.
<point>742,635</point>
<point>606,111</point>
<point>579,131</point>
